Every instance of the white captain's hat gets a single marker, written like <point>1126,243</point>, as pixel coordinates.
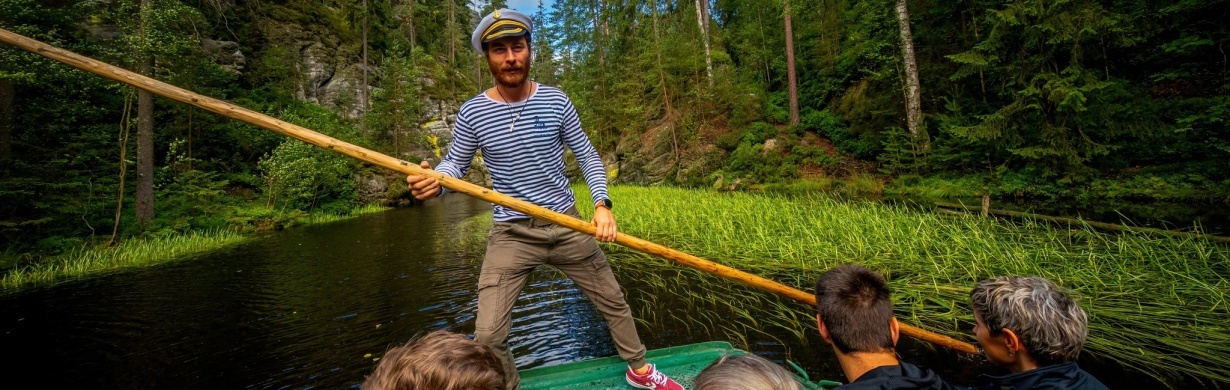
<point>499,24</point>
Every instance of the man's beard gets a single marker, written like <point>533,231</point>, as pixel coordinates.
<point>512,80</point>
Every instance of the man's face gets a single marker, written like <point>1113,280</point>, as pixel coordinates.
<point>509,60</point>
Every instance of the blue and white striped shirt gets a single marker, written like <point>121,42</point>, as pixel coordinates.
<point>526,162</point>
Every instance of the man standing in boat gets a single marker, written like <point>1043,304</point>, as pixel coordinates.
<point>522,128</point>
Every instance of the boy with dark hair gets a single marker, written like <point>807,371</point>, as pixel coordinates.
<point>855,316</point>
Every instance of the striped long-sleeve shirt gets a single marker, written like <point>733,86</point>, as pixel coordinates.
<point>525,158</point>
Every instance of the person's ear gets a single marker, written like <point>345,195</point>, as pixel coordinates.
<point>1011,341</point>
<point>895,328</point>
<point>824,331</point>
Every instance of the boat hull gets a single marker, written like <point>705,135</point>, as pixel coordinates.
<point>681,363</point>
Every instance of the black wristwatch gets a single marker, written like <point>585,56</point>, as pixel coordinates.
<point>604,203</point>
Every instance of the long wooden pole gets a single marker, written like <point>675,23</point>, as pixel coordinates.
<point>1073,221</point>
<point>294,131</point>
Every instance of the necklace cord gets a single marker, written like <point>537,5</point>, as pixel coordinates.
<point>517,117</point>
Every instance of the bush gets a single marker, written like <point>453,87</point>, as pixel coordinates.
<point>756,133</point>
<point>754,165</point>
<point>194,200</point>
<point>301,176</point>
<point>830,126</point>
<point>265,218</point>
<point>731,139</point>
<point>812,156</point>
<point>775,109</point>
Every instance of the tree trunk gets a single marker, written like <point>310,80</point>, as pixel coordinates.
<point>125,127</point>
<point>6,119</point>
<point>986,205</point>
<point>913,95</point>
<point>395,100</point>
<point>145,133</point>
<point>191,110</point>
<point>145,152</point>
<point>410,21</point>
<point>657,48</point>
<point>606,21</point>
<point>599,39</point>
<point>763,43</point>
<point>452,38</point>
<point>452,49</point>
<point>702,21</point>
<point>365,101</point>
<point>666,102</point>
<point>831,40</point>
<point>790,75</point>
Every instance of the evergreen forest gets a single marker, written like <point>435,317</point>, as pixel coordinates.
<point>1055,99</point>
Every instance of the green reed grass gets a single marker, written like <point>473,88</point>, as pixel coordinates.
<point>1159,305</point>
<point>90,261</point>
<point>326,217</point>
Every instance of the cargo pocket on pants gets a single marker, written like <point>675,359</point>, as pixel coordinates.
<point>489,300</point>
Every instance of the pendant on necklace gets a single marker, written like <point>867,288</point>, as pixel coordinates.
<point>513,125</point>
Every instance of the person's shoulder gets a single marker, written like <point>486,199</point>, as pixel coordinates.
<point>551,93</point>
<point>867,384</point>
<point>549,89</point>
<point>910,376</point>
<point>876,378</point>
<point>476,101</point>
<point>1066,376</point>
<point>1084,380</point>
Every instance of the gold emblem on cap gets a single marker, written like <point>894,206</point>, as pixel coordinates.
<point>496,14</point>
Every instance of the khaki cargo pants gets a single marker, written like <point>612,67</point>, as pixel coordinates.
<point>514,249</point>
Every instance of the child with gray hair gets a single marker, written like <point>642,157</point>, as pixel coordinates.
<point>1034,329</point>
<point>745,372</point>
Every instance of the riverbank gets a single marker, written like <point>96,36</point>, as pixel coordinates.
<point>1135,188</point>
<point>1158,305</point>
<point>1147,201</point>
<point>90,260</point>
<point>1140,187</point>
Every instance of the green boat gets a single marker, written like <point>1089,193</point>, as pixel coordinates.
<point>681,363</point>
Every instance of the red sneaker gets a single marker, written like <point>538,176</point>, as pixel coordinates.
<point>653,379</point>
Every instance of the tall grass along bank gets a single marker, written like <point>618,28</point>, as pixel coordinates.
<point>89,261</point>
<point>323,218</point>
<point>1156,304</point>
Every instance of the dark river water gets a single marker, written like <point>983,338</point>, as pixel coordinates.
<point>312,307</point>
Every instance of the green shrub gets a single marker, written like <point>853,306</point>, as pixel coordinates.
<point>194,200</point>
<point>811,156</point>
<point>777,113</point>
<point>301,176</point>
<point>259,218</point>
<point>731,139</point>
<point>759,132</point>
<point>831,126</point>
<point>754,165</point>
